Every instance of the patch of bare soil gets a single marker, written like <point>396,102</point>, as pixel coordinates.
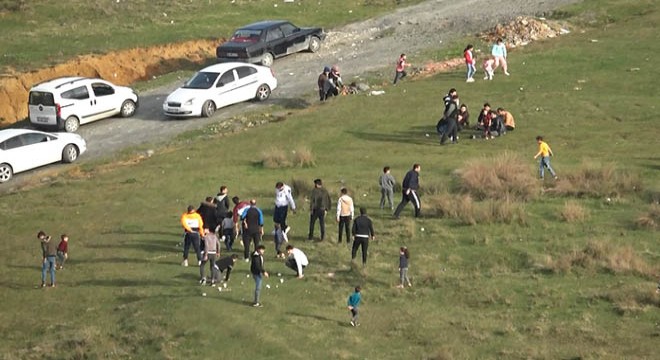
<point>122,68</point>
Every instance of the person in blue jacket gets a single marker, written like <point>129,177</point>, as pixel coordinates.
<point>353,304</point>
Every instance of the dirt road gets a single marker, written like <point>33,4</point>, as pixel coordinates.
<point>357,48</point>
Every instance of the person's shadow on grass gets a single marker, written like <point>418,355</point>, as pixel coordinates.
<point>319,317</point>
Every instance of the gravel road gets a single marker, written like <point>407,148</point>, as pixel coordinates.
<point>357,48</point>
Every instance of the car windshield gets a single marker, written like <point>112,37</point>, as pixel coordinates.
<point>246,35</point>
<point>202,80</point>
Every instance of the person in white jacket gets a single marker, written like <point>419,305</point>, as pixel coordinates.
<point>345,212</point>
<point>296,260</point>
<point>283,200</point>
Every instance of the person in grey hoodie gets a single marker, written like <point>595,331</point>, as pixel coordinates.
<point>211,251</point>
<point>386,182</point>
<point>49,253</point>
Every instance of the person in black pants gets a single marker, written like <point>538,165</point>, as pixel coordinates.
<point>450,116</point>
<point>409,191</point>
<point>363,231</point>
<point>253,227</point>
<point>318,207</point>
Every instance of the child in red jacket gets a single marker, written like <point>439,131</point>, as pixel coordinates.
<point>62,251</point>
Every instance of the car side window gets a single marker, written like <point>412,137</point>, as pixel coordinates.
<point>245,71</point>
<point>79,93</point>
<point>101,89</point>
<point>11,143</point>
<point>34,138</point>
<point>288,29</point>
<point>226,78</point>
<point>274,34</point>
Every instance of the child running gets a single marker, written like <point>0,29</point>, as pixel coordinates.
<point>404,255</point>
<point>353,304</point>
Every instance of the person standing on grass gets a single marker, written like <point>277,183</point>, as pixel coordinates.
<point>345,213</point>
<point>211,251</point>
<point>62,251</point>
<point>279,237</point>
<point>296,260</point>
<point>193,227</point>
<point>228,231</point>
<point>488,66</point>
<point>318,207</point>
<point>353,303</point>
<point>322,83</point>
<point>237,212</point>
<point>470,62</point>
<point>450,116</point>
<point>545,152</point>
<point>252,222</point>
<point>386,183</point>
<point>207,210</point>
<point>401,65</point>
<point>48,261</point>
<point>221,202</point>
<point>226,263</point>
<point>499,54</point>
<point>258,272</point>
<point>283,200</point>
<point>404,255</point>
<point>363,231</point>
<point>409,191</point>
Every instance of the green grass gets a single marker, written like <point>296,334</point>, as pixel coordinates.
<point>546,288</point>
<point>35,31</point>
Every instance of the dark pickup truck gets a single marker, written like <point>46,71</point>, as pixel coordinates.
<point>262,42</point>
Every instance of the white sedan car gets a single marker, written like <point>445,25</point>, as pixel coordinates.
<point>218,86</point>
<point>23,149</point>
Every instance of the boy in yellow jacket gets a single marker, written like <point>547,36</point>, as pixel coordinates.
<point>545,153</point>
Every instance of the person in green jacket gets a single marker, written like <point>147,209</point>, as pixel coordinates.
<point>319,203</point>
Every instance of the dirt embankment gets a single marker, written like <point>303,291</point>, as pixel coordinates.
<point>122,68</point>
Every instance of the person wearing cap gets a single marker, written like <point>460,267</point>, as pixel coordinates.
<point>323,79</point>
<point>193,225</point>
<point>318,206</point>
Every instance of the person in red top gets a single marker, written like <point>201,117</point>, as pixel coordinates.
<point>401,65</point>
<point>237,212</point>
<point>62,251</point>
<point>470,61</point>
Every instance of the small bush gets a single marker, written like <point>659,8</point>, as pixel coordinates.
<point>505,212</point>
<point>303,157</point>
<point>573,212</point>
<point>503,176</point>
<point>274,158</point>
<point>301,187</point>
<point>650,219</point>
<point>598,180</point>
<point>466,211</point>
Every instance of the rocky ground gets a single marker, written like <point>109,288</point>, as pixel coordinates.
<point>357,48</point>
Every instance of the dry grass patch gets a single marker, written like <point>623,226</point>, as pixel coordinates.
<point>505,176</point>
<point>600,256</point>
<point>303,157</point>
<point>467,211</point>
<point>632,299</point>
<point>596,180</point>
<point>276,158</point>
<point>650,219</point>
<point>573,212</point>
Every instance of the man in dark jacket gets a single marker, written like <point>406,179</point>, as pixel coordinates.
<point>221,202</point>
<point>252,222</point>
<point>409,191</point>
<point>207,211</point>
<point>258,272</point>
<point>363,231</point>
<point>318,207</point>
<point>450,116</point>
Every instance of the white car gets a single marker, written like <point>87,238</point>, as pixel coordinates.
<point>68,102</point>
<point>23,149</point>
<point>218,86</point>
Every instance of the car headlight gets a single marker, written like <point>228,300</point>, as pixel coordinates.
<point>189,102</point>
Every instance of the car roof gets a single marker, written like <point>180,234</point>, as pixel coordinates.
<point>222,67</point>
<point>61,82</point>
<point>261,25</point>
<point>8,133</point>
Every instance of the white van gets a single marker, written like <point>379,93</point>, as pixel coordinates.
<point>68,102</point>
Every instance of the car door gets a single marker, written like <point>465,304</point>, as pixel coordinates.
<point>30,150</point>
<point>248,82</point>
<point>225,89</point>
<point>78,102</point>
<point>105,101</point>
<point>294,40</point>
<point>276,41</point>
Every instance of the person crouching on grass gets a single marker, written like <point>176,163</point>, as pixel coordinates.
<point>353,304</point>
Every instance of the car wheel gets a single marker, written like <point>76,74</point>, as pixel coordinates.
<point>128,108</point>
<point>267,60</point>
<point>263,92</point>
<point>6,172</point>
<point>208,108</point>
<point>314,44</point>
<point>70,153</point>
<point>71,124</point>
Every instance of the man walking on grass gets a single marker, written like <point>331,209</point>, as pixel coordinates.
<point>345,212</point>
<point>319,203</point>
<point>252,222</point>
<point>193,225</point>
<point>283,200</point>
<point>363,231</point>
<point>258,272</point>
<point>409,191</point>
<point>545,153</point>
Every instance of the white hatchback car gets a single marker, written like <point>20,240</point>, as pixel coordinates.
<point>67,102</point>
<point>218,86</point>
<point>24,149</point>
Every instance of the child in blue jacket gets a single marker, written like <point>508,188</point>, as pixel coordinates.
<point>353,304</point>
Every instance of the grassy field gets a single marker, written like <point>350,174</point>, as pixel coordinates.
<point>507,266</point>
<point>37,33</point>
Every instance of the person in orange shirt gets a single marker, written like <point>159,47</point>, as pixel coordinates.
<point>545,153</point>
<point>194,229</point>
<point>507,118</point>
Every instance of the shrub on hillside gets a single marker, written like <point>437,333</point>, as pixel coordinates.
<point>596,180</point>
<point>501,177</point>
<point>275,158</point>
<point>573,212</point>
<point>303,157</point>
<point>466,211</point>
<point>650,219</point>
